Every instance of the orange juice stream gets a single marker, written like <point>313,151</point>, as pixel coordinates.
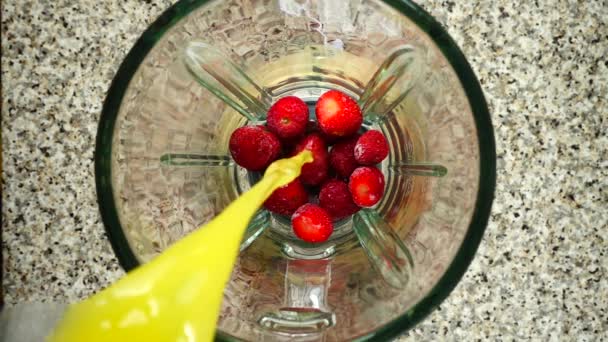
<point>177,296</point>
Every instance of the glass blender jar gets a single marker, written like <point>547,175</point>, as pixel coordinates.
<point>205,68</point>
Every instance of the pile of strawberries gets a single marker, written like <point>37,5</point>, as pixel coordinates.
<point>338,182</point>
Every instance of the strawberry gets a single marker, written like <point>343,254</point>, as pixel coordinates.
<point>312,223</point>
<point>336,199</point>
<point>286,199</point>
<point>371,148</point>
<point>254,147</point>
<point>288,117</point>
<point>329,139</point>
<point>366,184</point>
<point>338,114</point>
<point>342,157</point>
<point>315,172</point>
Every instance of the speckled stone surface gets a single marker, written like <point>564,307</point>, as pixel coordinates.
<point>542,270</point>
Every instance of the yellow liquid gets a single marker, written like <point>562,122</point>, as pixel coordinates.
<point>177,296</point>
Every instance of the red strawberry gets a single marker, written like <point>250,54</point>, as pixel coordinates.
<point>329,139</point>
<point>288,117</point>
<point>253,147</point>
<point>315,172</point>
<point>342,157</point>
<point>371,148</point>
<point>366,184</point>
<point>338,114</point>
<point>312,223</point>
<point>286,199</point>
<point>336,199</point>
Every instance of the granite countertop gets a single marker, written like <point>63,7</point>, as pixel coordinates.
<point>542,269</point>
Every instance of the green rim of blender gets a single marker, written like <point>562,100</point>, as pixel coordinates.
<point>487,175</point>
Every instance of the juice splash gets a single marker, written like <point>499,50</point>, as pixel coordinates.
<point>177,296</point>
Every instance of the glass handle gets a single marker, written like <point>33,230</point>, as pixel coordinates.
<point>226,80</point>
<point>305,308</point>
<point>393,80</point>
<point>385,250</point>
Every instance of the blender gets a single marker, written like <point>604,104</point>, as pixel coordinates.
<point>205,68</point>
